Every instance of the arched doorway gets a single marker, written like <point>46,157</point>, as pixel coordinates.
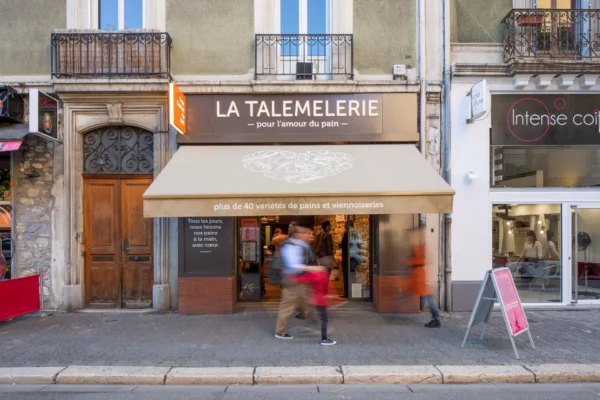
<point>118,167</point>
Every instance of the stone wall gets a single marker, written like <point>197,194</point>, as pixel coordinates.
<point>33,202</point>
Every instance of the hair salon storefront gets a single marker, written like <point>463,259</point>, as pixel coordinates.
<point>249,164</point>
<point>534,205</point>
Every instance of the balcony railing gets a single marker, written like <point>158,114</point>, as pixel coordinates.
<point>552,33</point>
<point>304,56</point>
<point>111,54</point>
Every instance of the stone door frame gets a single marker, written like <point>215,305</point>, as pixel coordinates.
<point>82,113</point>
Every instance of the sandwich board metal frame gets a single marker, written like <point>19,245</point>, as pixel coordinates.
<point>490,293</point>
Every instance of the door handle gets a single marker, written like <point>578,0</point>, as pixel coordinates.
<point>126,246</point>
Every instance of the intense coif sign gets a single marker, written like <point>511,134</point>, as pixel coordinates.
<point>545,120</point>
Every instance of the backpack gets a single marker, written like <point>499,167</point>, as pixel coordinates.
<point>276,269</point>
<point>276,266</point>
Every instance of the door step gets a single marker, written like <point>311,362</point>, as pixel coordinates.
<point>116,311</point>
<point>136,305</point>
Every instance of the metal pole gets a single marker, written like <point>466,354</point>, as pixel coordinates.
<point>446,165</point>
<point>575,265</point>
<point>530,339</point>
<point>448,262</point>
<point>43,313</point>
<point>512,341</point>
<point>483,331</point>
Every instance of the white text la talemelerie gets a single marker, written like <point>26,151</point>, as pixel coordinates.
<point>308,108</point>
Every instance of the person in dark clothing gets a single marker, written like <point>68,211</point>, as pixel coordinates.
<point>305,307</point>
<point>345,245</point>
<point>324,247</point>
<point>296,256</point>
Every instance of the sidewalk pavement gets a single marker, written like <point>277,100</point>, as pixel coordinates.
<point>371,348</point>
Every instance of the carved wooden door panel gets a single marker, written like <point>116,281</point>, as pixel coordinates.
<point>118,243</point>
<point>102,242</point>
<point>136,234</point>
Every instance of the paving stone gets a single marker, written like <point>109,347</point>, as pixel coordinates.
<point>29,375</point>
<point>485,374</point>
<point>298,375</point>
<point>564,373</point>
<point>403,374</point>
<point>246,339</point>
<point>211,376</point>
<point>113,375</point>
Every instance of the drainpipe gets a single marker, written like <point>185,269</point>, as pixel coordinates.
<point>423,82</point>
<point>446,144</point>
<point>422,58</point>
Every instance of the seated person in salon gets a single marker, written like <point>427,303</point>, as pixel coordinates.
<point>551,252</point>
<point>530,257</point>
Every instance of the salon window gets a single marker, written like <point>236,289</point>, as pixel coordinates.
<point>526,239</point>
<point>538,166</point>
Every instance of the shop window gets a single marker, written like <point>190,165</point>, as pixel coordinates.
<point>260,237</point>
<point>537,166</point>
<point>5,217</point>
<point>118,150</point>
<point>586,254</point>
<point>120,14</point>
<point>526,238</point>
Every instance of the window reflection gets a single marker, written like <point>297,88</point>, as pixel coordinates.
<point>134,14</point>
<point>538,166</point>
<point>109,15</point>
<point>586,254</point>
<point>526,239</point>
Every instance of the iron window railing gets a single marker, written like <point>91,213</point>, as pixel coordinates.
<point>572,34</point>
<point>306,56</point>
<point>111,54</point>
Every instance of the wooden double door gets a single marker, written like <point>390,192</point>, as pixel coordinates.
<point>117,242</point>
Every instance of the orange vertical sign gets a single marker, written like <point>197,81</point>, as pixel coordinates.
<point>177,108</point>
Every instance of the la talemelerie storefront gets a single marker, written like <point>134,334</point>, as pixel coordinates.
<point>248,165</point>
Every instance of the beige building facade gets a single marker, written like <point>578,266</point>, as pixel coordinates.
<point>81,221</point>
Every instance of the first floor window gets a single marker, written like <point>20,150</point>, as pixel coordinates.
<point>120,14</point>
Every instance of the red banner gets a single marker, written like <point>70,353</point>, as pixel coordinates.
<point>19,296</point>
<point>508,297</point>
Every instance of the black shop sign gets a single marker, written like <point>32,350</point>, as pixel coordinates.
<point>545,120</point>
<point>206,247</point>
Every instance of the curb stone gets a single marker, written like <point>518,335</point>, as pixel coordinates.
<point>298,375</point>
<point>29,375</point>
<point>211,376</point>
<point>354,374</point>
<point>486,374</point>
<point>565,373</point>
<point>113,375</point>
<point>391,374</point>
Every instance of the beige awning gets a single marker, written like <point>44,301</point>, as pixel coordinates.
<point>297,180</point>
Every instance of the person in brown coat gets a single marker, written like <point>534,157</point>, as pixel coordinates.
<point>419,286</point>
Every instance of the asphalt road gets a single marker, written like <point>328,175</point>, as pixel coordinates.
<point>323,392</point>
